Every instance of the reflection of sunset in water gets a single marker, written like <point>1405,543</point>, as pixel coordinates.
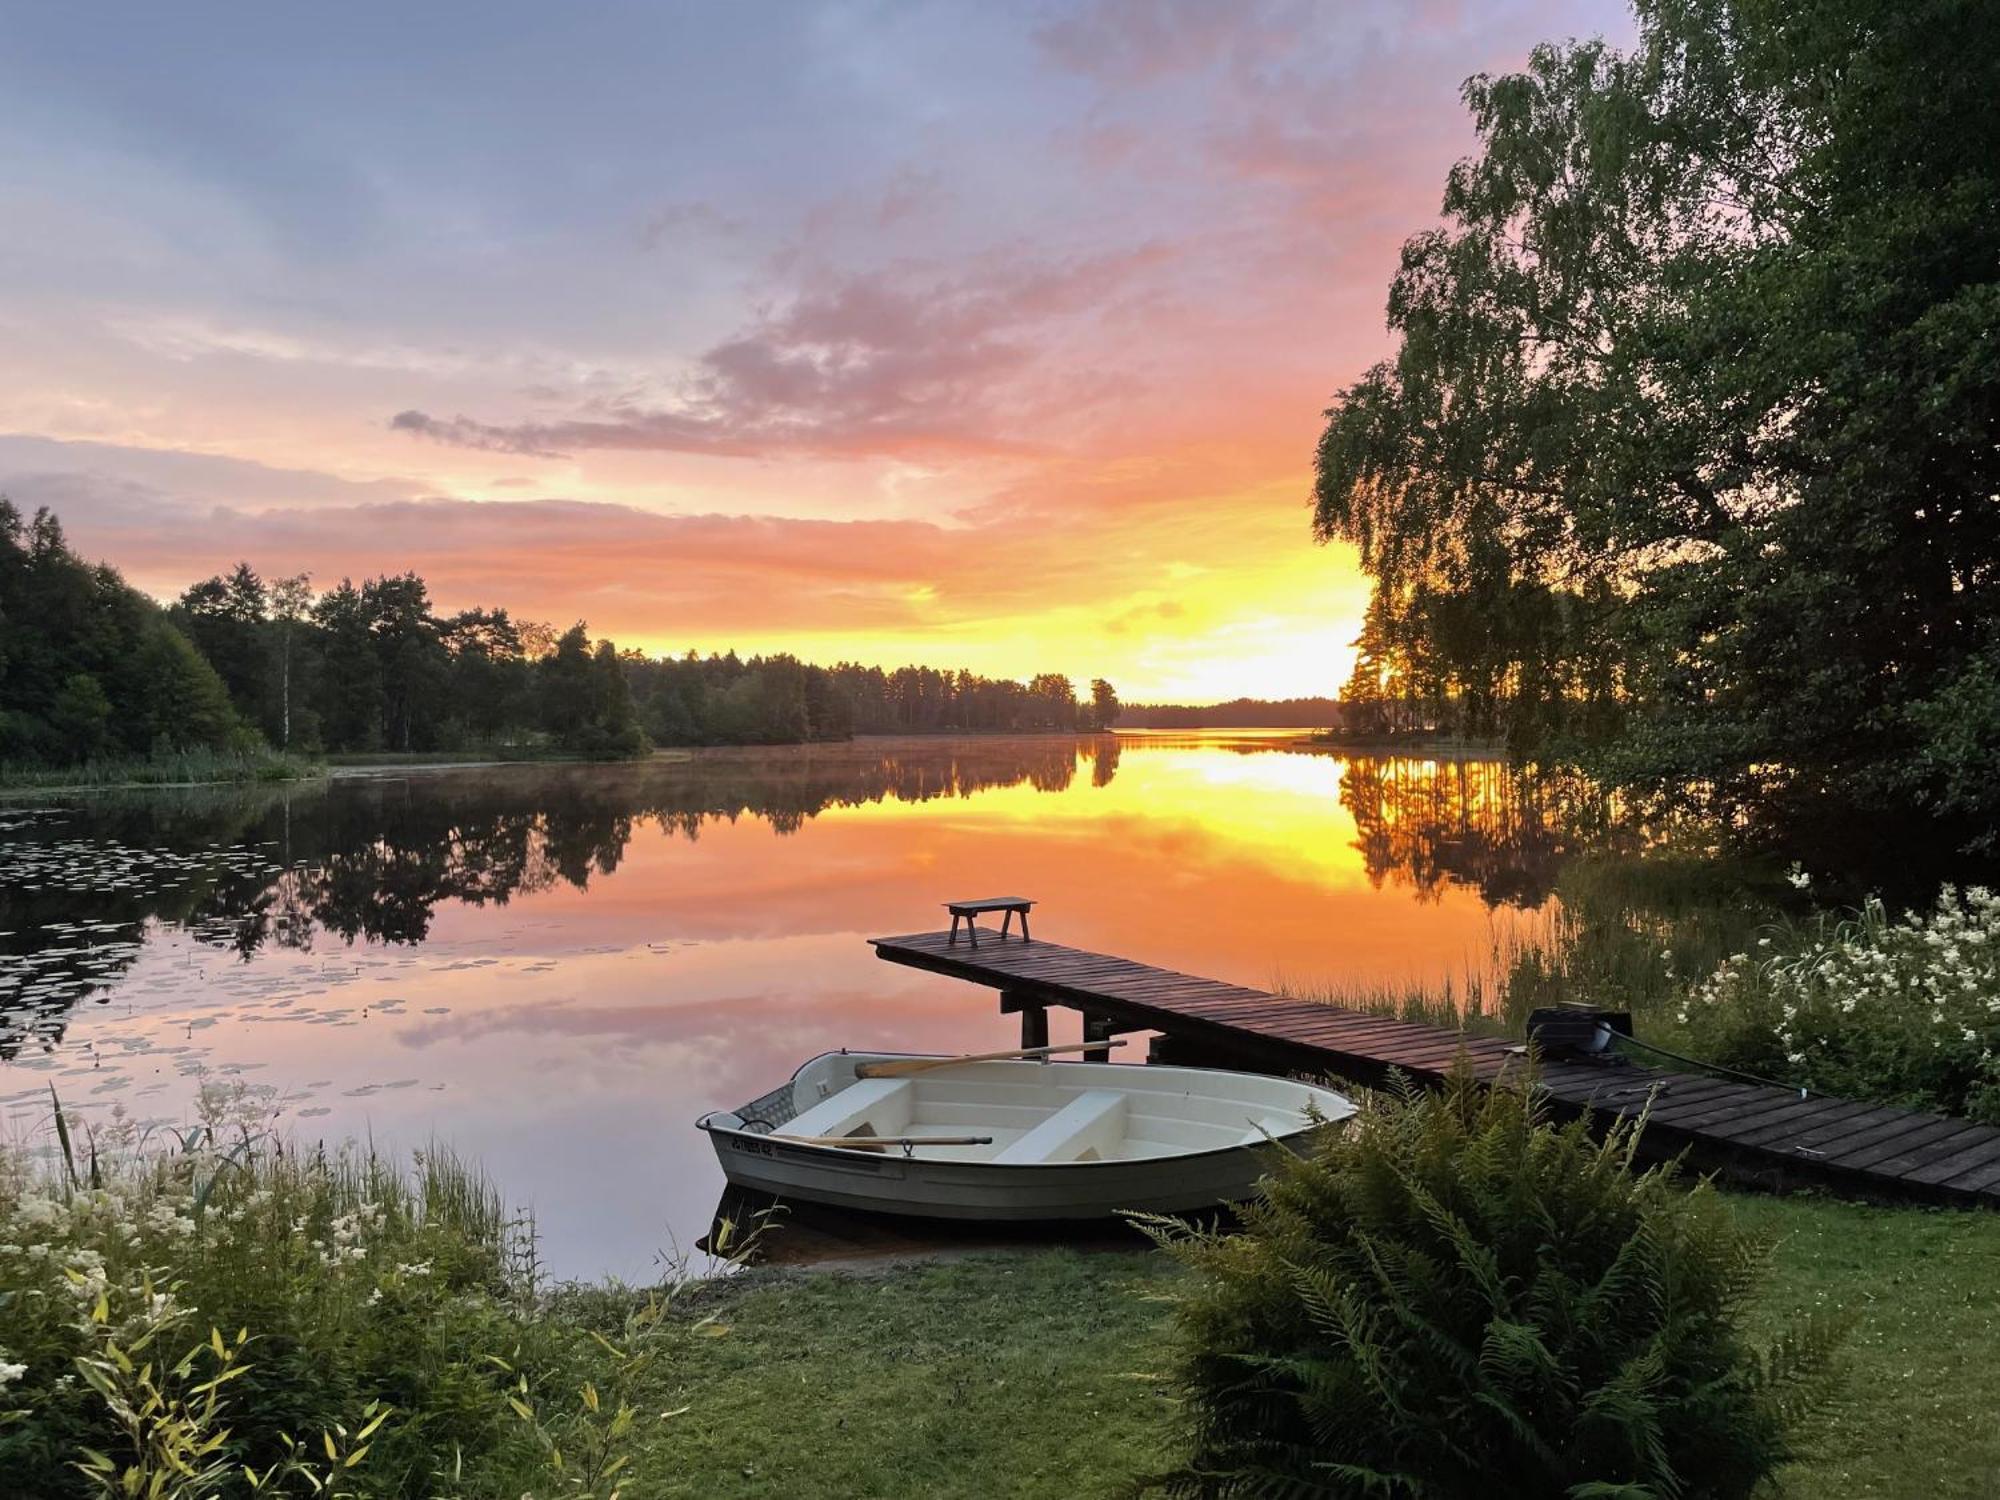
<point>551,973</point>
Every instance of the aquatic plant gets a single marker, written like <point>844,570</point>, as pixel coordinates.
<point>1902,1010</point>
<point>1453,1298</point>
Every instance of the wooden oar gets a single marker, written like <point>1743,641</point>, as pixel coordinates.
<point>883,1142</point>
<point>909,1065</point>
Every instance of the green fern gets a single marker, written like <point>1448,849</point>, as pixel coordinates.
<point>1454,1297</point>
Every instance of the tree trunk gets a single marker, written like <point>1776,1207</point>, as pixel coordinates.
<point>285,734</point>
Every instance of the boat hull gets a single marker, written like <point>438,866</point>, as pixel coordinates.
<point>885,1183</point>
<point>755,1155</point>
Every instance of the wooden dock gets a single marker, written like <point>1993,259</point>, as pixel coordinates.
<point>1758,1133</point>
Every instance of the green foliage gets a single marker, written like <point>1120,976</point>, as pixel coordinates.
<point>1451,1297</point>
<point>1905,1011</point>
<point>772,700</point>
<point>589,1443</point>
<point>80,716</point>
<point>183,704</point>
<point>168,1418</point>
<point>220,1315</point>
<point>1036,1374</point>
<point>224,617</point>
<point>1685,463</point>
<point>89,667</point>
<point>585,701</point>
<point>1957,759</point>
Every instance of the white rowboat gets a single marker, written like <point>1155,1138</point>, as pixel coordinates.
<point>1009,1139</point>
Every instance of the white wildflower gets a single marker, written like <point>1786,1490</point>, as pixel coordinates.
<point>85,1274</point>
<point>36,1213</point>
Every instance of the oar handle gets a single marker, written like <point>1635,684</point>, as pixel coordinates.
<point>903,1067</point>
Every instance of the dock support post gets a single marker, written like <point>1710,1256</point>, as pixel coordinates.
<point>1034,1016</point>
<point>1097,1029</point>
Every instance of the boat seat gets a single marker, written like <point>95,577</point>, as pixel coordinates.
<point>878,1106</point>
<point>1092,1122</point>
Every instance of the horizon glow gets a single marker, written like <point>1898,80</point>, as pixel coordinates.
<point>968,335</point>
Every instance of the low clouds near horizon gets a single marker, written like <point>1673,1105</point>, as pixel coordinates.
<point>948,332</point>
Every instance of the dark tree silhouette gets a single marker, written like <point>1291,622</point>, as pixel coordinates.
<point>91,667</point>
<point>1684,469</point>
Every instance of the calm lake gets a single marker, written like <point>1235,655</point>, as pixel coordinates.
<point>556,968</point>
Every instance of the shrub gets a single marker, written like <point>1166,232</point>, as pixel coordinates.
<point>1453,1298</point>
<point>1905,1012</point>
<point>199,1310</point>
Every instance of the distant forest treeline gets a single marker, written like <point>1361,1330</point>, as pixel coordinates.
<point>1237,713</point>
<point>92,669</point>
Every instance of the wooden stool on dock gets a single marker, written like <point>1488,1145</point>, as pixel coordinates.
<point>968,911</point>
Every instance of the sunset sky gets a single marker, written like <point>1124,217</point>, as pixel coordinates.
<point>977,333</point>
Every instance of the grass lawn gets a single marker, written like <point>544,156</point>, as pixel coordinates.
<point>1920,1413</point>
<point>1038,1375</point>
<point>1015,1375</point>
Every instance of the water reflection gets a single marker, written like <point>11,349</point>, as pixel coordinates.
<point>557,968</point>
<point>371,857</point>
<point>1426,824</point>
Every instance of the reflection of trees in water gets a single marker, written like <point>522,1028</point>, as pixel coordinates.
<point>380,855</point>
<point>373,858</point>
<point>1502,830</point>
<point>1105,764</point>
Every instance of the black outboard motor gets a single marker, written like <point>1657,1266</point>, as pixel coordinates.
<point>1573,1032</point>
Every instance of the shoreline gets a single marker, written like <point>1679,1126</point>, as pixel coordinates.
<point>351,767</point>
<point>56,786</point>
